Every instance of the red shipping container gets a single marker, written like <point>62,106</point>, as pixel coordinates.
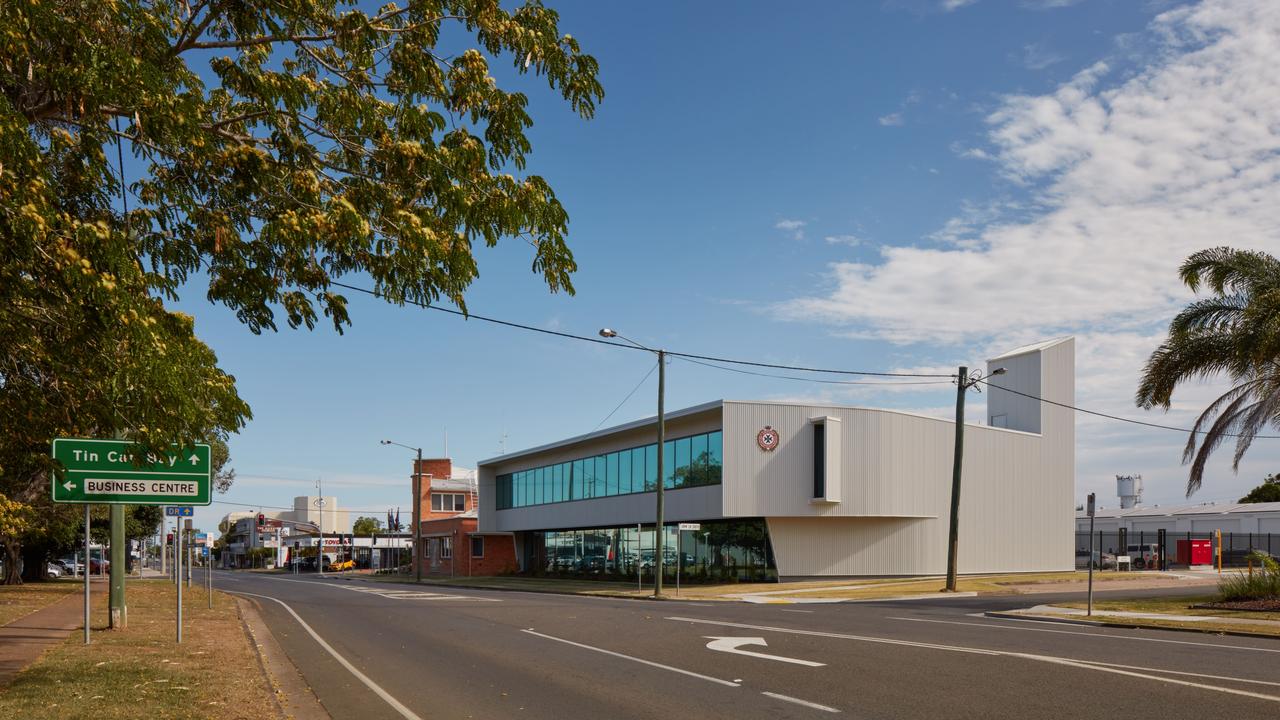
<point>1195,552</point>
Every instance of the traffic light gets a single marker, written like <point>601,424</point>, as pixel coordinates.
<point>168,539</point>
<point>262,519</point>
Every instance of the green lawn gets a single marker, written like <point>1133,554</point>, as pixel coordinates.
<point>141,673</point>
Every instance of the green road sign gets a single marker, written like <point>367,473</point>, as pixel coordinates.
<point>106,471</point>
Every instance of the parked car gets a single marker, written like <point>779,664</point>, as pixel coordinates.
<point>1101,560</point>
<point>97,566</point>
<point>340,565</point>
<point>70,566</point>
<point>54,570</point>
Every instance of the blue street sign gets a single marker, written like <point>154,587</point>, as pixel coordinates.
<point>179,511</point>
<point>204,551</point>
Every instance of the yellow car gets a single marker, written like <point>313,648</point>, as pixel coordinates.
<point>340,565</point>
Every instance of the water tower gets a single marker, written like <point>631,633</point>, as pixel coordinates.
<point>1129,488</point>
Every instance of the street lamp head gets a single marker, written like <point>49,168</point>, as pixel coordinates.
<point>997,371</point>
<point>384,442</point>
<point>607,333</point>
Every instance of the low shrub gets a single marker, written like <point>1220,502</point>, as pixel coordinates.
<point>1262,584</point>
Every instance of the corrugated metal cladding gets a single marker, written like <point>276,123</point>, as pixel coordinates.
<point>895,475</point>
<point>888,511</point>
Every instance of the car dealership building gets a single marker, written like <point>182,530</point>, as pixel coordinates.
<point>771,489</point>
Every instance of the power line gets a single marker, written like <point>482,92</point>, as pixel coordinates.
<point>625,399</point>
<point>815,380</point>
<point>600,341</point>
<point>1117,417</point>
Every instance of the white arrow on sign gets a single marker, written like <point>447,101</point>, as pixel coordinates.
<point>195,459</point>
<point>733,645</point>
<point>69,485</point>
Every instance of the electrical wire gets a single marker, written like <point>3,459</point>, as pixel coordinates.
<point>816,380</point>
<point>625,399</point>
<point>599,341</point>
<point>1118,417</point>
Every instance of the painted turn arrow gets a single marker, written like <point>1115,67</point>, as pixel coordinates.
<point>733,645</point>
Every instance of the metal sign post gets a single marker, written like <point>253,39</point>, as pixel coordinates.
<point>85,570</point>
<point>208,575</point>
<point>1091,507</point>
<point>177,574</point>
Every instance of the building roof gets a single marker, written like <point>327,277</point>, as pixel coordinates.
<point>1033,347</point>
<point>1171,510</point>
<point>714,404</point>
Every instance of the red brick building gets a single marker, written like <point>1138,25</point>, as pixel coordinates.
<point>454,547</point>
<point>451,543</point>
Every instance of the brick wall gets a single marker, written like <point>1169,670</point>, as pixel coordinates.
<point>499,551</point>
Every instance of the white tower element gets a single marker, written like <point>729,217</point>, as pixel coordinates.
<point>1129,488</point>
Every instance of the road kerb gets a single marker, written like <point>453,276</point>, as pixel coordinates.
<point>292,694</point>
<point>1127,625</point>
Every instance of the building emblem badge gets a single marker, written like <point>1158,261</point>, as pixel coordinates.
<point>767,439</point>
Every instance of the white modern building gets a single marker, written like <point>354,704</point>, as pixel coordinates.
<point>793,490</point>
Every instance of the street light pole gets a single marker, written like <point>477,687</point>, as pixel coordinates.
<point>662,439</point>
<point>417,509</point>
<point>320,504</point>
<point>964,381</point>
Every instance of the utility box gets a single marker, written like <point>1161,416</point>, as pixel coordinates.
<point>1195,552</point>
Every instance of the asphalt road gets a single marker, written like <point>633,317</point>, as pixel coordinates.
<point>398,651</point>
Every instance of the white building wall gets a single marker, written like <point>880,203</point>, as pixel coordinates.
<point>895,476</point>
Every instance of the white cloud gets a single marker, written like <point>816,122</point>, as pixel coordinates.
<point>793,227</point>
<point>850,240</point>
<point>1038,56</point>
<point>1049,4</point>
<point>1129,175</point>
<point>949,5</point>
<point>891,120</point>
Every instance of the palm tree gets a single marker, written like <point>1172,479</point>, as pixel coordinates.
<point>1234,333</point>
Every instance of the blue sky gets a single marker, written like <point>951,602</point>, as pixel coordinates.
<point>911,185</point>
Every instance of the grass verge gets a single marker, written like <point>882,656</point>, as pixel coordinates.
<point>19,600</point>
<point>141,672</point>
<point>1172,606</point>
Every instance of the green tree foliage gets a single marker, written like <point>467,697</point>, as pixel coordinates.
<point>1268,491</point>
<point>365,526</point>
<point>286,144</point>
<point>277,147</point>
<point>1232,333</point>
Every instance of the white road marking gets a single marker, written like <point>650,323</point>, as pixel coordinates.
<point>795,611</point>
<point>1083,664</point>
<point>1180,672</point>
<point>369,683</point>
<point>993,624</point>
<point>798,701</point>
<point>389,593</point>
<point>734,645</point>
<point>642,661</point>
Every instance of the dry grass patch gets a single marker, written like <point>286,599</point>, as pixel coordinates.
<point>140,672</point>
<point>19,600</point>
<point>1172,606</point>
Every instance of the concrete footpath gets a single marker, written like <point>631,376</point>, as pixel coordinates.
<point>24,640</point>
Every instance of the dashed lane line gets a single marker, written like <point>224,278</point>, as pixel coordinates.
<point>632,658</point>
<point>798,701</point>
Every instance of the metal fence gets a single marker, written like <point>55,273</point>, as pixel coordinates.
<point>1153,549</point>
